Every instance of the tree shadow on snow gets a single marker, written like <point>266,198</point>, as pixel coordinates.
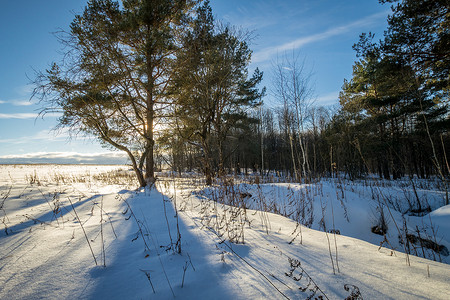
<point>134,271</point>
<point>52,218</point>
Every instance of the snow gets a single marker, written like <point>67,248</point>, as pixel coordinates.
<point>44,252</point>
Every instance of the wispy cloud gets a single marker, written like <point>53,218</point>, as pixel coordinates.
<point>22,93</point>
<point>26,115</point>
<point>269,52</point>
<point>263,14</point>
<point>46,135</point>
<point>25,90</point>
<point>17,102</point>
<point>328,99</point>
<point>21,102</point>
<point>18,116</point>
<point>65,158</point>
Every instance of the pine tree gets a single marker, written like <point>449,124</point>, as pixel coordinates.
<point>112,82</point>
<point>399,89</point>
<point>211,87</point>
<point>419,34</point>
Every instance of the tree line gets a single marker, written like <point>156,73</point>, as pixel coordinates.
<point>169,85</point>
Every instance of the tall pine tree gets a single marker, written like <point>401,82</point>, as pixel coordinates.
<point>211,86</point>
<point>112,82</point>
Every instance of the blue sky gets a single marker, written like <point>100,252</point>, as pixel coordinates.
<point>321,31</point>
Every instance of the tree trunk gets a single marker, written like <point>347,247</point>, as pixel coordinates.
<point>149,162</point>
<point>207,162</point>
<point>137,171</point>
<point>139,175</point>
<point>293,157</point>
<point>221,158</point>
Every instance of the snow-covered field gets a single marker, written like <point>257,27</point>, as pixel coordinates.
<point>69,232</point>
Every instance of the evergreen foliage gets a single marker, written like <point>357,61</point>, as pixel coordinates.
<point>211,88</point>
<point>112,82</point>
<point>131,66</point>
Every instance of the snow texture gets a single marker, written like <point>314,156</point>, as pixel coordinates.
<point>55,219</point>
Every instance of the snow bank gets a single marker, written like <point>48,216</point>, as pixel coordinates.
<point>52,230</point>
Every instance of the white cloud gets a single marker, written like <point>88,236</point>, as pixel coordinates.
<point>21,102</point>
<point>44,136</point>
<point>48,134</point>
<point>17,102</point>
<point>267,53</point>
<point>26,115</point>
<point>25,90</point>
<point>328,99</point>
<point>65,158</point>
<point>18,116</point>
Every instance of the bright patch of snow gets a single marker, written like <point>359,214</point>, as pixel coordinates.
<point>44,252</point>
